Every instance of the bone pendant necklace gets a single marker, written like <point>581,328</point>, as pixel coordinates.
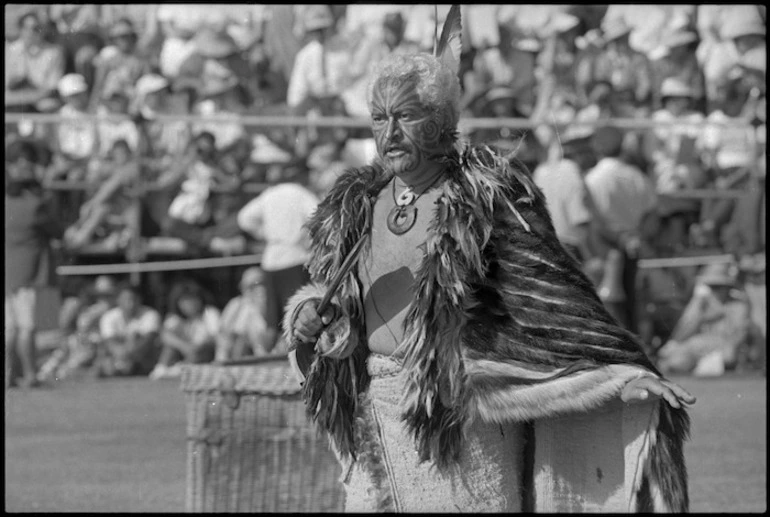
<point>402,217</point>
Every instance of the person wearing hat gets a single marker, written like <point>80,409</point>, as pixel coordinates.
<point>33,67</point>
<point>120,64</point>
<point>243,327</point>
<point>745,27</point>
<point>676,58</point>
<point>319,66</point>
<point>76,139</point>
<point>220,96</point>
<point>626,69</point>
<point>715,325</point>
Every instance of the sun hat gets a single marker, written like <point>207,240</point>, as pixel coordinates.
<point>72,84</point>
<point>317,16</point>
<point>562,22</point>
<point>615,28</point>
<point>742,22</point>
<point>754,60</point>
<point>216,79</point>
<point>150,83</point>
<point>252,276</point>
<point>679,38</point>
<point>675,87</point>
<point>215,44</point>
<point>122,27</point>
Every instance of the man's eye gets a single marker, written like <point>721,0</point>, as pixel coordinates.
<point>377,118</point>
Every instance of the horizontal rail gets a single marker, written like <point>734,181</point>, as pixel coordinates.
<point>704,260</point>
<point>466,123</point>
<point>164,265</point>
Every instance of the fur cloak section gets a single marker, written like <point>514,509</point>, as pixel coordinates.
<point>496,298</point>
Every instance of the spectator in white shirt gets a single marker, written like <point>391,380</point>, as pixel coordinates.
<point>278,216</point>
<point>129,336</point>
<point>76,136</point>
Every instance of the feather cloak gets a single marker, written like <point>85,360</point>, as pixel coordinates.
<point>504,325</point>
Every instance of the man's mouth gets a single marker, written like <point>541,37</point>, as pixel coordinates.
<point>395,151</point>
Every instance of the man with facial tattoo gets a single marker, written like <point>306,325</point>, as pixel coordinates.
<point>466,362</point>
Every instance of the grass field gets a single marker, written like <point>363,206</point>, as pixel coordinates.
<point>119,445</point>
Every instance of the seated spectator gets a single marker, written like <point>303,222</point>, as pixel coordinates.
<point>713,328</point>
<point>129,335</point>
<point>120,64</point>
<point>676,58</point>
<point>191,209</point>
<point>243,326</point>
<point>79,33</point>
<point>221,97</point>
<point>96,300</point>
<point>110,213</point>
<point>627,69</point>
<point>115,103</point>
<point>189,331</point>
<point>33,68</point>
<point>76,138</point>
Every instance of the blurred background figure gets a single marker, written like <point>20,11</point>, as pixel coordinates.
<point>243,327</point>
<point>277,216</point>
<point>76,139</point>
<point>713,328</point>
<point>33,68</point>
<point>30,227</point>
<point>129,335</point>
<point>189,331</point>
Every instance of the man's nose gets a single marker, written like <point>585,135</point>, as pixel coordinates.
<point>393,129</point>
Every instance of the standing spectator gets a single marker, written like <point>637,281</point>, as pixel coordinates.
<point>119,65</point>
<point>189,331</point>
<point>129,336</point>
<point>33,68</point>
<point>30,225</point>
<point>319,66</point>
<point>627,70</point>
<point>243,326</point>
<point>371,50</point>
<point>565,195</point>
<point>624,206</point>
<point>76,139</point>
<point>278,216</point>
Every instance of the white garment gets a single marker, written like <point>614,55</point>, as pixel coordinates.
<point>114,324</point>
<point>565,198</point>
<point>110,132</point>
<point>76,134</point>
<point>191,204</point>
<point>621,193</point>
<point>732,144</point>
<point>205,328</point>
<point>278,216</point>
<point>317,72</point>
<point>173,53</point>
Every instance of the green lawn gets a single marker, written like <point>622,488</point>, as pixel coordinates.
<point>119,445</point>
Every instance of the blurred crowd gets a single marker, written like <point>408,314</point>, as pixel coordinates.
<point>109,71</point>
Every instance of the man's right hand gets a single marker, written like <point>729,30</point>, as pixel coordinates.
<point>309,324</point>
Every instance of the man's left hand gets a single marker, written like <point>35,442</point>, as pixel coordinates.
<point>639,390</point>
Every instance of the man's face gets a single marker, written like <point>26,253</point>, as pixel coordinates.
<point>30,32</point>
<point>407,133</point>
<point>127,301</point>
